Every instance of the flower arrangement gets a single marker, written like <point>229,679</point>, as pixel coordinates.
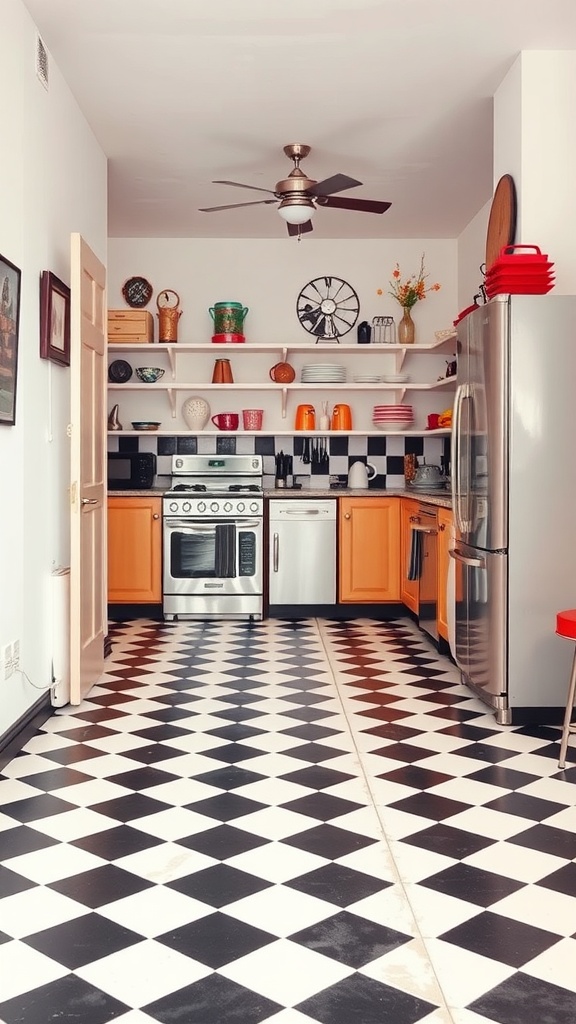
<point>409,292</point>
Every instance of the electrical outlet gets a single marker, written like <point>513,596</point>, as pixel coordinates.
<point>7,659</point>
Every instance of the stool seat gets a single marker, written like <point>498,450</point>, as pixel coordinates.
<point>566,627</point>
<point>566,624</point>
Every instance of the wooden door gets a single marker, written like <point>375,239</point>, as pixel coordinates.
<point>134,550</point>
<point>444,523</point>
<point>409,589</point>
<point>88,462</point>
<point>369,544</point>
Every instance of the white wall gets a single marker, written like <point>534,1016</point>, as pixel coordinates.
<point>534,141</point>
<point>266,275</point>
<point>471,256</point>
<point>52,182</point>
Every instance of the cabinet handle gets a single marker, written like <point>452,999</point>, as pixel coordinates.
<point>347,515</point>
<point>156,516</point>
<point>88,501</point>
<point>414,519</point>
<point>442,527</point>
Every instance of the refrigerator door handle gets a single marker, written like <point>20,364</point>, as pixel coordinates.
<point>462,392</point>
<point>474,563</point>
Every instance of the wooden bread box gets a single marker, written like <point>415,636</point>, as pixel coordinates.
<point>130,326</point>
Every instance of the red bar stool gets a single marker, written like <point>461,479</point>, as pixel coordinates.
<point>566,627</point>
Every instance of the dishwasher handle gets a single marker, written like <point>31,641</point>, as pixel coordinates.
<point>275,552</point>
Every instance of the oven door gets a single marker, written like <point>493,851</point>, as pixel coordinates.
<point>212,556</point>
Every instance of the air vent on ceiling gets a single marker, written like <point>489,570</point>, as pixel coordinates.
<point>41,62</point>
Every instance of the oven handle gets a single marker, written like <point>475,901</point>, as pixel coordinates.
<point>195,526</point>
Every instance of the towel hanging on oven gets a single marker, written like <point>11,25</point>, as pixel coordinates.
<point>225,551</point>
<point>415,563</point>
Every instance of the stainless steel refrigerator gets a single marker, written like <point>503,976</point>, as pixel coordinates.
<point>513,452</point>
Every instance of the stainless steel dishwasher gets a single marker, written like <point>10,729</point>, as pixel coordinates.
<point>302,551</point>
<point>425,527</point>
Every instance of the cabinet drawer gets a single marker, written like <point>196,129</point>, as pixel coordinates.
<point>130,326</point>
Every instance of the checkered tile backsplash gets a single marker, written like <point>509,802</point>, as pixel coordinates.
<point>385,453</point>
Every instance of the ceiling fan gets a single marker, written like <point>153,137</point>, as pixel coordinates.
<point>297,196</point>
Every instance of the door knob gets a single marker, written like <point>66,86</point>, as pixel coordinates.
<point>347,515</point>
<point>155,516</point>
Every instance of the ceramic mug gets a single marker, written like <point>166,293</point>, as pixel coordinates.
<point>282,373</point>
<point>226,420</point>
<point>433,418</point>
<point>252,419</point>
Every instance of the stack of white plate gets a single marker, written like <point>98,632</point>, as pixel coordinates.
<point>392,417</point>
<point>323,373</point>
<point>396,378</point>
<point>367,378</point>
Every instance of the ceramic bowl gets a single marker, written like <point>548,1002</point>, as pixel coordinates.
<point>145,424</point>
<point>149,374</point>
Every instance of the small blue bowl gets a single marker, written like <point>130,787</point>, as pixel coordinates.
<point>149,374</point>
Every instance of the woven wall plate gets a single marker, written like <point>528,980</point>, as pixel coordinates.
<point>137,292</point>
<point>502,220</point>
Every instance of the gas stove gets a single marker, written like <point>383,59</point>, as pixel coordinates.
<point>215,485</point>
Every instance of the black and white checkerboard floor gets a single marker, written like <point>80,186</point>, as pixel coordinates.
<point>292,823</point>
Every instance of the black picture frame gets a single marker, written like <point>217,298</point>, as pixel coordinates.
<point>54,319</point>
<point>10,280</point>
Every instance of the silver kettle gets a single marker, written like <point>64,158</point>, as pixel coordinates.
<point>358,475</point>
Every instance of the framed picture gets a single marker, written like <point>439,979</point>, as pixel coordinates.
<point>9,323</point>
<point>54,319</point>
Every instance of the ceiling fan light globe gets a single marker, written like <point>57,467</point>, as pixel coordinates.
<point>296,212</point>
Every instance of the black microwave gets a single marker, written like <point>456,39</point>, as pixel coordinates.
<point>131,471</point>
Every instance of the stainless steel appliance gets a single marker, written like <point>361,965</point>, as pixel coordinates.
<point>513,488</point>
<point>426,526</point>
<point>302,553</point>
<point>212,538</point>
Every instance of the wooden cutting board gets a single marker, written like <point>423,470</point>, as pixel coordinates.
<point>502,219</point>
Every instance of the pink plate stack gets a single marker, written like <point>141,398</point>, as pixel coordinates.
<point>392,417</point>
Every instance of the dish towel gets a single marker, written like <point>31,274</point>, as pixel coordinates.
<point>415,562</point>
<point>225,551</point>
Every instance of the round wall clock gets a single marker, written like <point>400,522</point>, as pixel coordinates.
<point>137,292</point>
<point>502,220</point>
<point>327,307</point>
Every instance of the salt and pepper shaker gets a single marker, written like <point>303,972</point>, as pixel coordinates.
<point>325,418</point>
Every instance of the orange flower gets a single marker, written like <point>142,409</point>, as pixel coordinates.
<point>412,290</point>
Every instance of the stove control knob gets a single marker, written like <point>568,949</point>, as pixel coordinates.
<point>173,506</point>
<point>241,506</point>
<point>227,506</point>
<point>186,506</point>
<point>201,506</point>
<point>214,507</point>
<point>254,506</point>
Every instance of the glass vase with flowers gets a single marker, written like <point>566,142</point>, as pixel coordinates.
<point>408,293</point>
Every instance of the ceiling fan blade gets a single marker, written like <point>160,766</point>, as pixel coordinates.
<point>238,184</point>
<point>337,183</point>
<point>360,205</point>
<point>300,229</point>
<point>232,206</point>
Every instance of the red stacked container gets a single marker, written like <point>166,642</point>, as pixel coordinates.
<point>515,272</point>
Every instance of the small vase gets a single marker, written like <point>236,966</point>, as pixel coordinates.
<point>406,328</point>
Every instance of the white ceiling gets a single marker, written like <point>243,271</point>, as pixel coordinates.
<point>396,93</point>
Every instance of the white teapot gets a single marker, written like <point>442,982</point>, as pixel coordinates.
<point>358,475</point>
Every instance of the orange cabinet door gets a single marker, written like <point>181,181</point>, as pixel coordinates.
<point>369,549</point>
<point>444,523</point>
<point>134,550</point>
<point>409,589</point>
